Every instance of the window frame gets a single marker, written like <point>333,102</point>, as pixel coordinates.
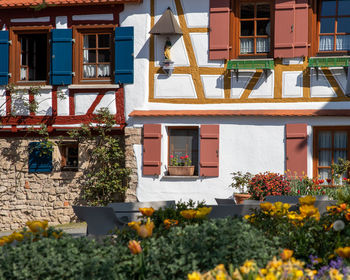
<point>333,129</point>
<point>235,32</point>
<point>15,53</point>
<point>63,149</point>
<point>198,143</point>
<point>78,35</point>
<point>318,30</point>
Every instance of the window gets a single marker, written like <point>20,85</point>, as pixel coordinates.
<point>40,157</point>
<point>69,156</point>
<point>95,55</point>
<point>334,26</point>
<point>31,56</point>
<point>254,28</point>
<point>330,145</point>
<point>182,142</point>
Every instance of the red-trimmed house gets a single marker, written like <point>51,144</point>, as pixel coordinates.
<point>79,58</point>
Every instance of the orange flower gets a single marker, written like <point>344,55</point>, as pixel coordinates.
<point>35,226</point>
<point>347,216</point>
<point>147,211</point>
<point>134,247</point>
<point>286,254</point>
<point>266,206</point>
<point>169,223</point>
<point>188,214</point>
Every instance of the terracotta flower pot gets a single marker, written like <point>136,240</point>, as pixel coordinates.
<point>181,170</point>
<point>240,197</point>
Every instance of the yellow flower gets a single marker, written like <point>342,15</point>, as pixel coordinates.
<point>57,235</point>
<point>220,276</point>
<point>278,205</point>
<point>146,230</point>
<point>286,254</point>
<point>266,206</point>
<point>194,276</point>
<point>134,247</point>
<point>343,252</point>
<point>203,212</point>
<point>36,226</point>
<point>17,236</point>
<point>134,225</point>
<point>307,200</point>
<point>7,239</point>
<point>286,206</point>
<point>334,274</point>
<point>188,214</point>
<point>147,211</point>
<point>270,276</point>
<point>2,241</point>
<point>263,271</point>
<point>299,273</point>
<point>309,211</point>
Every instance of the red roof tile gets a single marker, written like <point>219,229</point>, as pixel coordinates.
<point>28,3</point>
<point>200,113</point>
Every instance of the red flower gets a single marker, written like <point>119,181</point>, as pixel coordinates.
<point>182,157</point>
<point>329,180</point>
<point>321,181</point>
<point>344,179</point>
<point>171,156</point>
<point>186,156</point>
<point>298,191</point>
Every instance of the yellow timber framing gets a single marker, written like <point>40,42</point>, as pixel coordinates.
<point>195,71</point>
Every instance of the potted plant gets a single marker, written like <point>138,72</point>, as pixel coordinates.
<point>240,182</point>
<point>180,166</point>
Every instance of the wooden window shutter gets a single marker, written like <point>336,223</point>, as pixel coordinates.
<point>40,158</point>
<point>152,136</point>
<point>219,34</point>
<point>209,150</point>
<point>291,28</point>
<point>61,57</point>
<point>124,55</point>
<point>296,148</point>
<point>4,57</point>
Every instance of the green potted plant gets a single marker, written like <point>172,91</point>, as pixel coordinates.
<point>240,182</point>
<point>180,166</point>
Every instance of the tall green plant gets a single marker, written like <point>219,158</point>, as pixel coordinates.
<point>107,176</point>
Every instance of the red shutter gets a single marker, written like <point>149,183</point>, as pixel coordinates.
<point>296,148</point>
<point>209,150</point>
<point>152,136</point>
<point>219,35</point>
<point>291,28</point>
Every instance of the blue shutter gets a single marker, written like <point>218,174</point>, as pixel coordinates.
<point>124,55</point>
<point>39,160</point>
<point>61,57</point>
<point>4,57</point>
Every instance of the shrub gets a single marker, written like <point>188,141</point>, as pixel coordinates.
<point>264,184</point>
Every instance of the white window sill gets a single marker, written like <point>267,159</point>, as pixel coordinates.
<point>184,178</point>
<point>80,86</point>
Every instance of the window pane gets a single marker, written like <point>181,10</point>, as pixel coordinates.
<point>104,70</point>
<point>263,27</point>
<point>247,11</point>
<point>103,40</point>
<point>262,11</point>
<point>339,154</point>
<point>247,28</point>
<point>89,71</point>
<point>327,25</point>
<point>247,46</point>
<point>91,56</point>
<point>324,173</point>
<point>325,139</point>
<point>103,56</point>
<point>328,7</point>
<point>343,43</point>
<point>343,7</point>
<point>340,140</point>
<point>89,41</point>
<point>325,158</point>
<point>262,45</point>
<point>343,25</point>
<point>326,43</point>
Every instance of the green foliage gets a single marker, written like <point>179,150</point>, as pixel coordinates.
<point>172,256</point>
<point>340,168</point>
<point>241,180</point>
<point>343,194</point>
<point>107,176</point>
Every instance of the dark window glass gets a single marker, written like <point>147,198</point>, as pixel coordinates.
<point>247,11</point>
<point>343,7</point>
<point>328,7</point>
<point>343,25</point>
<point>247,28</point>
<point>327,25</point>
<point>263,11</point>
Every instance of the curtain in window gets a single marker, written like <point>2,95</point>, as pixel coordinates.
<point>262,45</point>
<point>103,70</point>
<point>247,45</point>
<point>325,141</point>
<point>343,43</point>
<point>23,74</point>
<point>340,142</point>
<point>326,43</point>
<point>89,71</point>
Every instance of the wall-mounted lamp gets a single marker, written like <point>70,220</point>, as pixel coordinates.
<point>167,25</point>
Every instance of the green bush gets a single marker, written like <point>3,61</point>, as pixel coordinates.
<point>172,256</point>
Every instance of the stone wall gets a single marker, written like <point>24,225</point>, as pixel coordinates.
<point>27,196</point>
<point>133,136</point>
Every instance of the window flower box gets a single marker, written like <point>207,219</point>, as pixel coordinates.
<point>181,170</point>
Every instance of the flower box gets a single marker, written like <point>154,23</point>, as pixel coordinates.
<point>181,170</point>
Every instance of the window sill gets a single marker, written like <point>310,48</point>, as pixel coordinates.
<point>29,86</point>
<point>187,178</point>
<point>92,86</point>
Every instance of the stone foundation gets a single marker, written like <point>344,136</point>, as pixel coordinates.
<point>133,136</point>
<point>27,196</point>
